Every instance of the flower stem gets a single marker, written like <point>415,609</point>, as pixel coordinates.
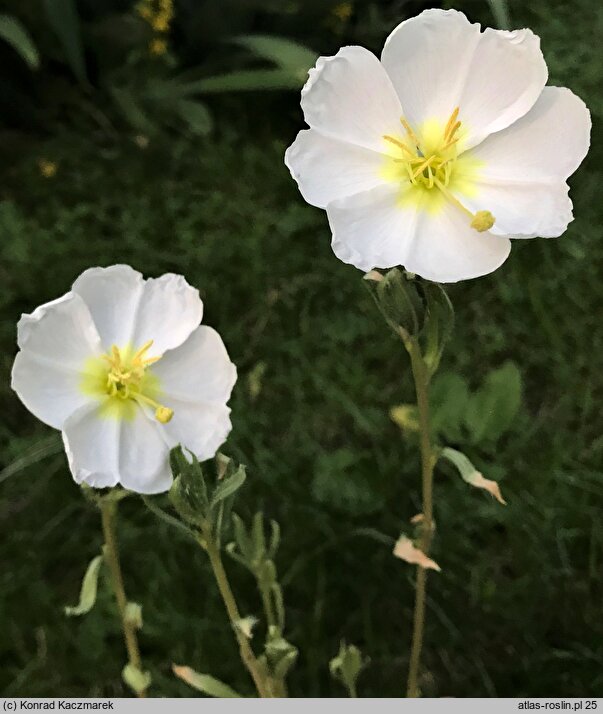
<point>421,380</point>
<point>109,516</point>
<point>247,656</point>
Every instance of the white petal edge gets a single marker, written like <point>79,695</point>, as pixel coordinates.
<point>55,340</point>
<point>350,97</point>
<point>200,370</point>
<point>546,145</point>
<point>373,229</point>
<point>326,169</point>
<point>438,60</point>
<point>130,310</point>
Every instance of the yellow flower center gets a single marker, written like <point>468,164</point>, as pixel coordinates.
<point>123,375</point>
<point>430,165</point>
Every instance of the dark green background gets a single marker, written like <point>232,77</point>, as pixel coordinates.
<point>517,609</point>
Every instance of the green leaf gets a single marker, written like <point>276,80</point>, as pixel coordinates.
<point>40,450</point>
<point>336,483</point>
<point>196,115</point>
<point>205,683</point>
<point>88,589</point>
<point>135,678</point>
<point>449,395</point>
<point>132,111</point>
<point>15,33</point>
<point>63,18</point>
<point>228,485</point>
<point>250,80</point>
<point>492,409</point>
<point>470,474</point>
<point>286,54</point>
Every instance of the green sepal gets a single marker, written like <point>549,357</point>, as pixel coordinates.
<point>188,493</point>
<point>88,590</point>
<point>438,326</point>
<point>281,655</point>
<point>398,299</point>
<point>347,665</point>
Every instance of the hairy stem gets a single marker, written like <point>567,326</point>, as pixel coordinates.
<point>247,656</point>
<point>421,380</point>
<point>109,517</point>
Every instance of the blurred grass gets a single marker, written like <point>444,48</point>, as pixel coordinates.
<point>517,608</point>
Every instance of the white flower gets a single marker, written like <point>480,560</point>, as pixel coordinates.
<point>123,368</point>
<point>435,156</point>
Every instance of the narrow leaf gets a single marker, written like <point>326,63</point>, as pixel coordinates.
<point>88,589</point>
<point>205,683</point>
<point>244,81</point>
<point>39,451</point>
<point>63,18</point>
<point>14,32</point>
<point>405,550</point>
<point>470,474</point>
<point>228,485</point>
<point>286,54</point>
<point>196,115</point>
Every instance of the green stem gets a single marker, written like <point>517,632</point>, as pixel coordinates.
<point>421,380</point>
<point>109,516</point>
<point>247,656</point>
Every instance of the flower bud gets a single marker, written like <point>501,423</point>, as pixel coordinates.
<point>399,300</point>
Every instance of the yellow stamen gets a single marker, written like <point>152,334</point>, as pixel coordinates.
<point>409,131</point>
<point>398,143</point>
<point>125,378</point>
<point>451,122</point>
<point>482,221</point>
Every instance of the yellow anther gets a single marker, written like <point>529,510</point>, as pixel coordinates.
<point>451,122</point>
<point>398,143</point>
<point>482,221</point>
<point>409,131</point>
<point>164,414</point>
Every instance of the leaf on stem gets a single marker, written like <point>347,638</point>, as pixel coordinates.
<point>406,550</point>
<point>246,625</point>
<point>205,683</point>
<point>88,589</point>
<point>470,474</point>
<point>138,680</point>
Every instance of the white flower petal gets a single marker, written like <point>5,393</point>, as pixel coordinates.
<point>112,295</point>
<point>439,60</point>
<point>378,229</point>
<point>196,382</point>
<point>55,341</point>
<point>104,451</point>
<point>169,311</point>
<point>200,427</point>
<point>446,249</point>
<point>200,370</point>
<point>327,169</point>
<point>130,310</point>
<point>373,229</point>
<point>350,97</point>
<point>521,180</point>
<point>546,145</point>
<point>524,209</point>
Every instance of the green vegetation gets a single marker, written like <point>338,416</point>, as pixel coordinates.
<point>517,608</point>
